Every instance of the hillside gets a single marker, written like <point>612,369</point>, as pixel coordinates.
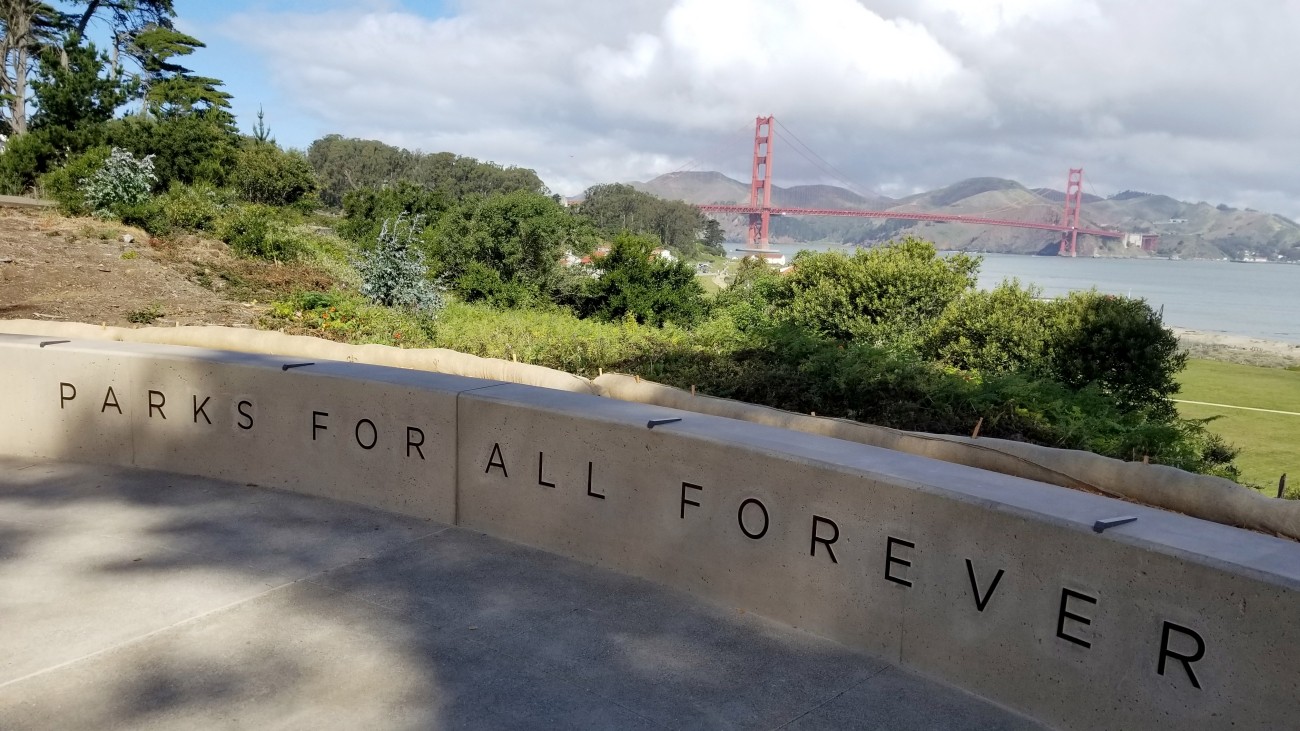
<point>1187,230</point>
<point>82,270</point>
<point>711,187</point>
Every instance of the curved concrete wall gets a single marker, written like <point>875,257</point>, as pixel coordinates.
<point>995,584</point>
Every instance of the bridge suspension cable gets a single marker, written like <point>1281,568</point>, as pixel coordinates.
<point>820,162</point>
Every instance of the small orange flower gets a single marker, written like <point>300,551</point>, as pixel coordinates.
<point>397,336</point>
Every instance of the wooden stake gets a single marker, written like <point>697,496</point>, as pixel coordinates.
<point>1281,485</point>
<point>1146,459</point>
<point>692,390</point>
<point>976,434</point>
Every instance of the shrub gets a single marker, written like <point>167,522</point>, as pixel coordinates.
<point>890,295</point>
<point>1003,330</point>
<point>1121,345</point>
<point>66,184</point>
<point>192,207</point>
<point>147,315</point>
<point>266,174</point>
<point>635,283</point>
<point>148,215</point>
<point>188,148</point>
<point>122,181</point>
<point>253,231</point>
<point>393,273</point>
<point>24,159</point>
<point>481,283</point>
<point>365,210</point>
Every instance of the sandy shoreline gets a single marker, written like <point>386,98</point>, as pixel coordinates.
<point>1238,348</point>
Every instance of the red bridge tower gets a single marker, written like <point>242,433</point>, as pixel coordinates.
<point>1073,205</point>
<point>760,186</point>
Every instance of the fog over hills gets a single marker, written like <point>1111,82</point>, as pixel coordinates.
<point>1188,230</point>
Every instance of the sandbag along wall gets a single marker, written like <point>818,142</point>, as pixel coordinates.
<point>998,585</point>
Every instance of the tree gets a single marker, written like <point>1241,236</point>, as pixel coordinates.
<point>713,237</point>
<point>27,28</point>
<point>1121,345</point>
<point>125,15</point>
<point>503,248</point>
<point>73,98</point>
<point>366,209</point>
<point>171,89</point>
<point>188,149</point>
<point>344,165</point>
<point>75,94</point>
<point>261,133</point>
<point>634,282</point>
<point>31,26</point>
<point>617,207</point>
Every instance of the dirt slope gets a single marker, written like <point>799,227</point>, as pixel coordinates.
<point>81,270</point>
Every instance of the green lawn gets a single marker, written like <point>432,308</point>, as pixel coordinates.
<point>1270,443</point>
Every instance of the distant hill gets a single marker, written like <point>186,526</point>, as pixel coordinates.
<point>1188,230</point>
<point>717,188</point>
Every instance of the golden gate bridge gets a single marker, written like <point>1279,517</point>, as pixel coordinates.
<point>760,209</point>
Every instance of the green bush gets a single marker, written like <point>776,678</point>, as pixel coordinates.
<point>552,338</point>
<point>253,231</point>
<point>479,282</point>
<point>635,283</point>
<point>788,368</point>
<point>195,207</point>
<point>65,184</point>
<point>891,295</point>
<point>1121,345</point>
<point>366,209</point>
<point>794,370</point>
<point>25,158</point>
<point>148,215</point>
<point>350,317</point>
<point>266,174</point>
<point>187,148</point>
<point>1003,330</point>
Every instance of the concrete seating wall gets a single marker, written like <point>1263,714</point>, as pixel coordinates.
<point>995,584</point>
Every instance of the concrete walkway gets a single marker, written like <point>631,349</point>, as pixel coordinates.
<point>143,600</point>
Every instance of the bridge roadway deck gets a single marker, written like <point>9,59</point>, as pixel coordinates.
<point>142,600</point>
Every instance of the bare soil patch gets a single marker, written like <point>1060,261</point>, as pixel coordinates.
<point>86,270</point>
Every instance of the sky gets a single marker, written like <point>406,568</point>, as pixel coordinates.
<point>1192,98</point>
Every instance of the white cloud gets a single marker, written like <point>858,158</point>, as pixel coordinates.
<point>1192,97</point>
<point>712,62</point>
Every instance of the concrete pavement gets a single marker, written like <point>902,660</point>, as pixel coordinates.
<point>147,600</point>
